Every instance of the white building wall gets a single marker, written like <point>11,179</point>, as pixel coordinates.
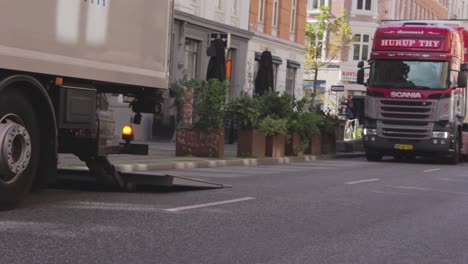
<point>226,15</point>
<point>285,50</point>
<point>458,9</point>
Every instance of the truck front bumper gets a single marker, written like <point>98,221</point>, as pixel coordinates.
<point>428,147</point>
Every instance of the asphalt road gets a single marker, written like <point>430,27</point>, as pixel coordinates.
<point>335,211</point>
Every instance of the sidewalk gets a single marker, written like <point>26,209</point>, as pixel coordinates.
<point>162,157</point>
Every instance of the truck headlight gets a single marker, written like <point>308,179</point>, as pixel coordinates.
<point>369,131</point>
<point>440,134</point>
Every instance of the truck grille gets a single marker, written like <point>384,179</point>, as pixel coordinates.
<point>405,119</point>
<point>406,103</point>
<point>406,116</point>
<point>406,109</point>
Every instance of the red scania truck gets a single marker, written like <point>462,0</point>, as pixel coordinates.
<point>416,98</point>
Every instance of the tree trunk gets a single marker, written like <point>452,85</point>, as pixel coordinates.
<point>314,93</point>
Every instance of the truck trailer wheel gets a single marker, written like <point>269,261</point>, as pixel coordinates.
<point>373,156</point>
<point>19,147</point>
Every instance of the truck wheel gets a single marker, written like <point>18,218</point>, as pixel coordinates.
<point>454,158</point>
<point>19,147</point>
<point>373,156</point>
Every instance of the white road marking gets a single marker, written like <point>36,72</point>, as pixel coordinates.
<point>451,180</point>
<point>429,190</point>
<point>209,204</point>
<point>411,188</point>
<point>390,193</point>
<point>432,170</point>
<point>369,180</point>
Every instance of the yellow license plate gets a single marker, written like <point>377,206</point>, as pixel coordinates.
<point>404,146</point>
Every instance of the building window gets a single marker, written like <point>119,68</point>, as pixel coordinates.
<point>361,47</point>
<point>314,5</point>
<point>191,53</point>
<point>275,13</point>
<point>364,5</point>
<point>261,11</point>
<point>291,80</point>
<point>235,7</point>
<point>219,4</point>
<point>293,16</point>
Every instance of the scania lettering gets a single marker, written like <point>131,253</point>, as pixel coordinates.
<point>405,95</point>
<point>416,99</point>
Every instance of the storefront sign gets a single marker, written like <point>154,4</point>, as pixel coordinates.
<point>351,76</point>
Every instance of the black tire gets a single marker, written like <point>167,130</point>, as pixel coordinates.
<point>12,192</point>
<point>455,157</point>
<point>373,156</point>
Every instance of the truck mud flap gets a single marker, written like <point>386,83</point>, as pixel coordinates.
<point>131,181</point>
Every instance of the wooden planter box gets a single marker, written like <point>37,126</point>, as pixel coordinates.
<point>251,143</point>
<point>315,145</point>
<point>200,143</point>
<point>275,146</point>
<point>292,143</point>
<point>329,142</point>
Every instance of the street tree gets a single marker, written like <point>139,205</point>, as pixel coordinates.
<point>326,38</point>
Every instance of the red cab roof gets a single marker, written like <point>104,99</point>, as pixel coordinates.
<point>416,38</point>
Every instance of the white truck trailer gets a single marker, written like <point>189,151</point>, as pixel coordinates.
<point>58,60</point>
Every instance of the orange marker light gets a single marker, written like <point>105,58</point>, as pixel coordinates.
<point>127,130</point>
<point>127,133</point>
<point>58,81</point>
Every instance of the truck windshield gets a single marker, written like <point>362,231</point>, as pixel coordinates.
<point>409,74</point>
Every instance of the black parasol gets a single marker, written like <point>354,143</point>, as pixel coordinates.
<point>217,63</point>
<point>264,80</point>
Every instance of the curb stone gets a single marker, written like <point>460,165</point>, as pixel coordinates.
<point>141,167</point>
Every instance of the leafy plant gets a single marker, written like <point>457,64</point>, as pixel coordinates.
<point>209,103</point>
<point>275,105</point>
<point>328,123</point>
<point>245,110</point>
<point>330,33</point>
<point>308,124</point>
<point>272,126</point>
<point>301,147</point>
<point>178,93</point>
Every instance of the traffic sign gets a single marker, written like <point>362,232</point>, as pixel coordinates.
<point>337,88</point>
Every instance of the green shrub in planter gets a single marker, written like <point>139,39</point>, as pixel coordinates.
<point>275,105</point>
<point>307,125</point>
<point>328,123</point>
<point>272,126</point>
<point>245,110</point>
<point>178,93</point>
<point>205,136</point>
<point>209,103</point>
<point>275,130</point>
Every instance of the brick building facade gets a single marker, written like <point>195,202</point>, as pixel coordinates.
<point>279,27</point>
<point>365,16</point>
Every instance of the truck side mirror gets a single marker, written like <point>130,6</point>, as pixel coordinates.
<point>360,76</point>
<point>462,78</point>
